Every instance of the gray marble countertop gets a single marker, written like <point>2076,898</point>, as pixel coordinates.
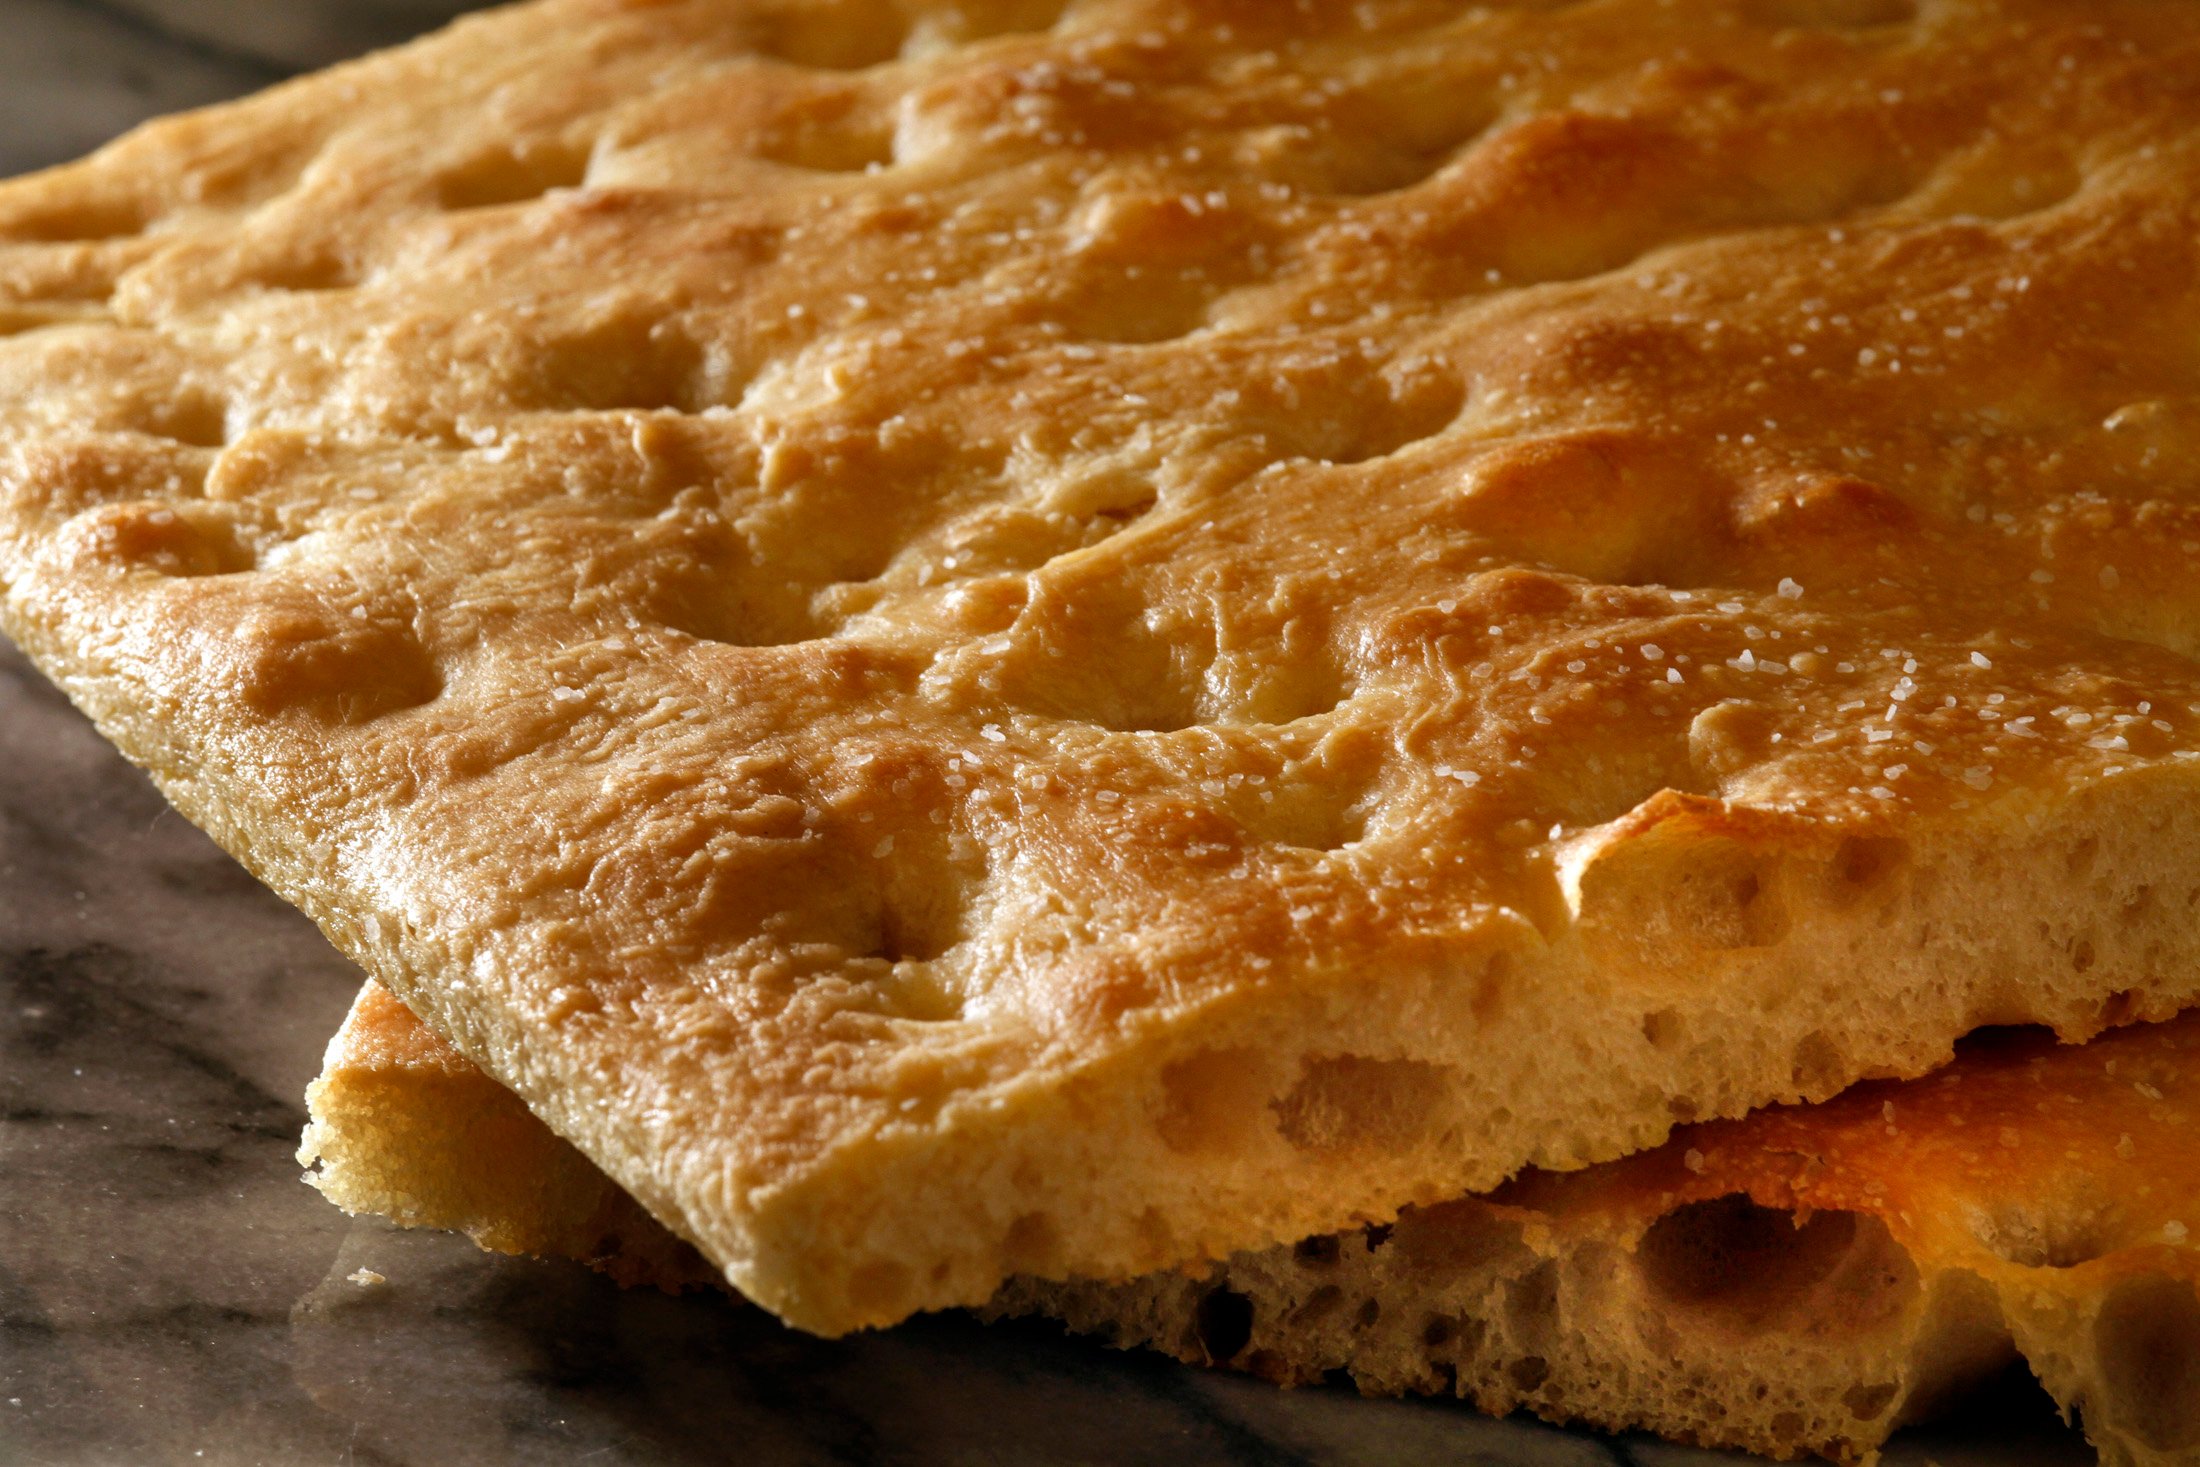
<point>170,1293</point>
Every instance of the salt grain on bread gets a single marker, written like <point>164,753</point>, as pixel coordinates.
<point>1803,1280</point>
<point>1017,638</point>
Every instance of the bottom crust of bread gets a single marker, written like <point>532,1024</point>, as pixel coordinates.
<point>1803,1280</point>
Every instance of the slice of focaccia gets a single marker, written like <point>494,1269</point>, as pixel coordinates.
<point>1804,1279</point>
<point>1006,636</point>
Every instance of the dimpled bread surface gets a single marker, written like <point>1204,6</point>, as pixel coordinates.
<point>1035,638</point>
<point>1805,1279</point>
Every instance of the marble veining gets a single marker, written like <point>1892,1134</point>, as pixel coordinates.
<point>170,1292</point>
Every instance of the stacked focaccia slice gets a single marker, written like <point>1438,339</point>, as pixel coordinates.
<point>1805,1279</point>
<point>1007,638</point>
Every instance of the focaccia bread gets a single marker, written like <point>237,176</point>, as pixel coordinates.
<point>1801,1280</point>
<point>1018,637</point>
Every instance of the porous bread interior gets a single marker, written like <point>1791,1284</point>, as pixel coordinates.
<point>1028,637</point>
<point>1799,1281</point>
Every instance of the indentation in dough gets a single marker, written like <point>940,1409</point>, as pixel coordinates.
<point>188,540</point>
<point>1212,1100</point>
<point>1146,266</point>
<point>626,364</point>
<point>1139,311</point>
<point>708,588</point>
<point>1567,195</point>
<point>1095,650</point>
<point>1661,1029</point>
<point>2032,1237</point>
<point>1833,14</point>
<point>1729,738</point>
<point>322,662</point>
<point>1374,416</point>
<point>2147,1338</point>
<point>1355,1103</point>
<point>1106,658</point>
<point>837,35</point>
<point>918,923</point>
<point>77,221</point>
<point>1752,1268</point>
<point>929,887</point>
<point>832,132</point>
<point>1070,516</point>
<point>851,35</point>
<point>1389,138</point>
<point>509,175</point>
<point>1575,504</point>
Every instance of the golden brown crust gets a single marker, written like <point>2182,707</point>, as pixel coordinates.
<point>1800,1280</point>
<point>1018,636</point>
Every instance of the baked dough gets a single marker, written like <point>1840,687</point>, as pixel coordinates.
<point>1008,637</point>
<point>1801,1280</point>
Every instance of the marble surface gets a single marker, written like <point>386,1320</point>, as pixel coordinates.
<point>171,1293</point>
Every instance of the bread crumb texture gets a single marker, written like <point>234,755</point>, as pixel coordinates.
<point>1803,1280</point>
<point>1026,637</point>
